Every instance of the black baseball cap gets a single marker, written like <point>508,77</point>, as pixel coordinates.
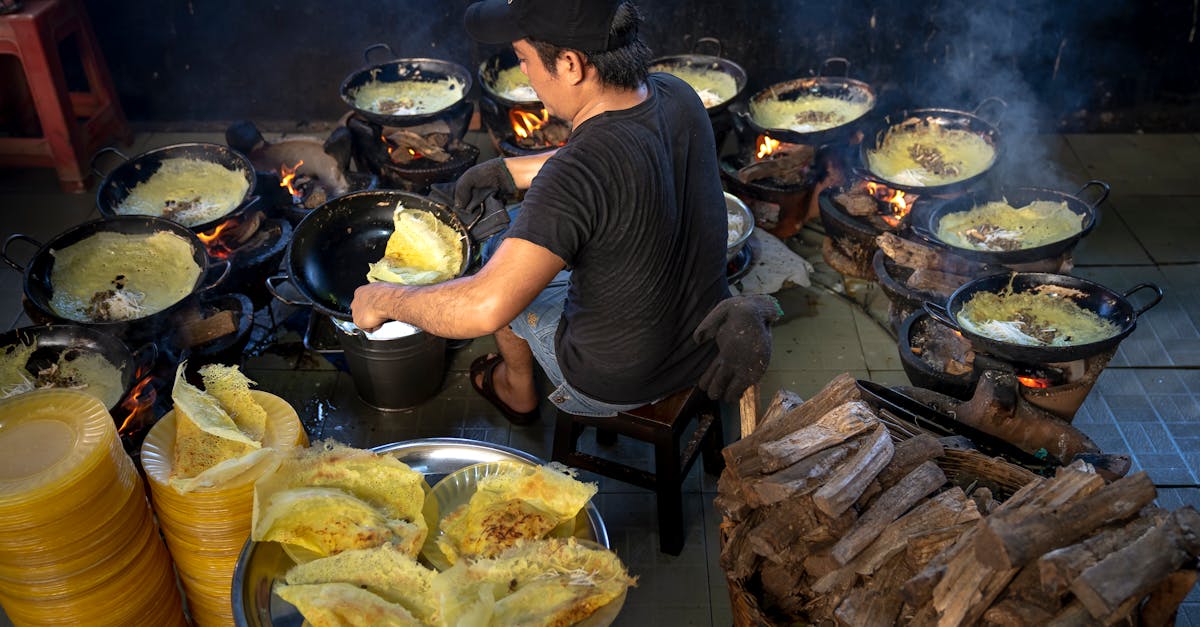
<point>582,25</point>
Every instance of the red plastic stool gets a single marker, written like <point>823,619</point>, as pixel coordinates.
<point>74,124</point>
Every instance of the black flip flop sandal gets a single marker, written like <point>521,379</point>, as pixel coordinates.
<point>486,366</point>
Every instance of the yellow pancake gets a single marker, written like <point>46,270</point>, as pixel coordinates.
<point>344,605</point>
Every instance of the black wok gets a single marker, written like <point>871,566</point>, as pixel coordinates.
<point>1109,305</point>
<point>489,73</point>
<point>821,85</point>
<point>707,62</point>
<point>927,221</point>
<point>38,289</point>
<point>951,119</point>
<point>396,70</point>
<point>331,248</point>
<point>71,340</point>
<point>123,178</point>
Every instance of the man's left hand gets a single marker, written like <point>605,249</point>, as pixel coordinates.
<point>740,327</point>
<point>366,309</point>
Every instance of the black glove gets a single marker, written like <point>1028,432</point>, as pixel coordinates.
<point>740,326</point>
<point>479,198</point>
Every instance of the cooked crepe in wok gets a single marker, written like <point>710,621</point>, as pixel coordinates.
<point>808,113</point>
<point>713,86</point>
<point>114,276</point>
<point>384,572</point>
<point>422,250</point>
<point>1034,318</point>
<point>513,84</point>
<point>998,226</point>
<point>88,372</point>
<point>345,605</point>
<point>187,191</point>
<point>407,97</point>
<point>544,582</point>
<point>515,503</point>
<point>209,443</point>
<point>926,155</point>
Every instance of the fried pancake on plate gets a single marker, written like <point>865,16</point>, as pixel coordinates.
<point>319,522</point>
<point>344,605</point>
<point>231,388</point>
<point>205,435</point>
<point>383,571</point>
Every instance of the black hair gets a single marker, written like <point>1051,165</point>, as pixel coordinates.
<point>624,66</point>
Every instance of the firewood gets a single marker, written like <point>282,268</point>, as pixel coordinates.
<point>935,281</point>
<point>786,165</point>
<point>984,501</point>
<point>1023,602</point>
<point>891,504</point>
<point>738,561</point>
<point>923,547</point>
<point>908,455</point>
<point>1137,569</point>
<point>915,255</point>
<point>782,526</point>
<point>431,146</point>
<point>1005,542</point>
<point>783,402</point>
<point>835,427</point>
<point>1163,603</point>
<point>876,603</point>
<point>851,478</point>
<point>196,330</point>
<point>820,564</point>
<point>857,203</point>
<point>831,529</point>
<point>1076,615</point>
<point>800,478</point>
<point>782,585</point>
<point>1058,568</point>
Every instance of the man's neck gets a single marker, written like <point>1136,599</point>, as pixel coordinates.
<point>610,100</point>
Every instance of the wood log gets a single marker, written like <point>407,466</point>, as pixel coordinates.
<point>1058,568</point>
<point>835,427</point>
<point>858,203</point>
<point>1137,569</point>
<point>1163,604</point>
<point>1023,602</point>
<point>748,410</point>
<point>431,147</point>
<point>1074,614</point>
<point>908,455</point>
<point>898,499</point>
<point>875,604</point>
<point>737,559</point>
<point>783,402</point>
<point>783,586</point>
<point>782,527</point>
<point>935,281</point>
<point>909,253</point>
<point>923,547</point>
<point>984,501</point>
<point>786,165</point>
<point>847,483</point>
<point>1006,542</point>
<point>196,330</point>
<point>798,479</point>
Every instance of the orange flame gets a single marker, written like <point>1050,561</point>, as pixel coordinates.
<point>766,146</point>
<point>898,202</point>
<point>287,175</point>
<point>1034,382</point>
<point>524,123</point>
<point>213,242</point>
<point>139,404</point>
<point>413,153</point>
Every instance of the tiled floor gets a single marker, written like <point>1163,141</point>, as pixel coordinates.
<point>1147,403</point>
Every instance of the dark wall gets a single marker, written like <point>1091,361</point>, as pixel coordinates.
<point>1100,65</point>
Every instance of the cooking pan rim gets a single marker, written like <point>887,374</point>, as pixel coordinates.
<point>400,120</point>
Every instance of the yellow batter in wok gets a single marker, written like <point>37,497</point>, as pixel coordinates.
<point>998,226</point>
<point>187,191</point>
<point>808,114</point>
<point>926,155</point>
<point>116,276</point>
<point>89,372</point>
<point>1036,318</point>
<point>712,86</point>
<point>408,97</point>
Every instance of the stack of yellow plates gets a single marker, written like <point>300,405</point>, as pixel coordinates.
<point>78,543</point>
<point>207,527</point>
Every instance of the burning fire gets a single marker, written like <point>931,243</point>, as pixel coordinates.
<point>1034,382</point>
<point>286,176</point>
<point>212,239</point>
<point>899,203</point>
<point>525,123</point>
<point>766,146</point>
<point>140,405</point>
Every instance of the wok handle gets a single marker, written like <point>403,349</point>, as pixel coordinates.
<point>1158,296</point>
<point>713,41</point>
<point>145,356</point>
<point>220,279</point>
<point>1103,187</point>
<point>12,238</point>
<point>981,109</point>
<point>939,313</point>
<point>373,47</point>
<point>273,283</point>
<point>101,152</point>
<point>313,318</point>
<point>833,61</point>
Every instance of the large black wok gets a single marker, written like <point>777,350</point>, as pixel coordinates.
<point>841,87</point>
<point>1109,305</point>
<point>71,340</point>
<point>38,288</point>
<point>398,70</point>
<point>489,73</point>
<point>707,62</point>
<point>331,248</point>
<point>951,119</point>
<point>125,177</point>
<point>927,221</point>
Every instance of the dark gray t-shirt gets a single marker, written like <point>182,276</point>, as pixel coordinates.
<point>633,205</point>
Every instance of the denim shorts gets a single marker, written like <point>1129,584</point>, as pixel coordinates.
<point>538,325</point>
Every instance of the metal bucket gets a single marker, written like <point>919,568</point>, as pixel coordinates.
<point>395,374</point>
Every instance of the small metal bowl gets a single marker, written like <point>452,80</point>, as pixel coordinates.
<point>734,206</point>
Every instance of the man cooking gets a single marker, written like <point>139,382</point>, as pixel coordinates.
<point>632,206</point>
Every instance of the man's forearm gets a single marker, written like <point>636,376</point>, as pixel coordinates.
<point>523,169</point>
<point>450,310</point>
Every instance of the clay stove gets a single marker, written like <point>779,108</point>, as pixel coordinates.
<point>416,157</point>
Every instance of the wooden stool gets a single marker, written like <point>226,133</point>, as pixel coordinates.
<point>33,34</point>
<point>663,425</point>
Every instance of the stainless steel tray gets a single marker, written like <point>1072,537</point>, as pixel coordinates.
<point>262,564</point>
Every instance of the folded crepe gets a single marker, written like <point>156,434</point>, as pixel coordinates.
<point>318,522</point>
<point>385,572</point>
<point>231,388</point>
<point>421,250</point>
<point>345,605</point>
<point>541,582</point>
<point>519,502</point>
<point>207,439</point>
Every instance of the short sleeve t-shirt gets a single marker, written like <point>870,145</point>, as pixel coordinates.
<point>633,204</point>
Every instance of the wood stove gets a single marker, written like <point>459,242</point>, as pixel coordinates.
<point>416,157</point>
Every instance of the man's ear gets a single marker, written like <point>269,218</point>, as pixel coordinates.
<point>570,66</point>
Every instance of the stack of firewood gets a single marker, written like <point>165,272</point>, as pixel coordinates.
<point>828,519</point>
